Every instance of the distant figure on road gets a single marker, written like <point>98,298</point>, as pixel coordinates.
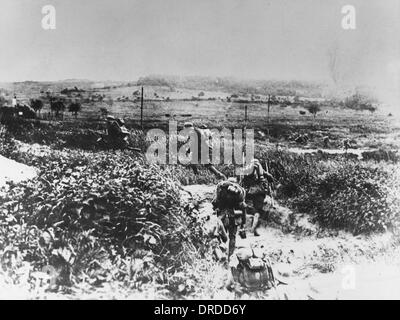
<point>14,101</point>
<point>203,135</point>
<point>326,142</point>
<point>346,144</point>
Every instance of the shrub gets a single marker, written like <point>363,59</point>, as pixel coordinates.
<point>345,194</point>
<point>86,213</point>
<point>357,197</point>
<point>360,102</point>
<point>381,155</point>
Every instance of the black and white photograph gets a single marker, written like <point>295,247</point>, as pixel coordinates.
<point>207,150</point>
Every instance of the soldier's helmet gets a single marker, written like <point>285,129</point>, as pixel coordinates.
<point>110,118</point>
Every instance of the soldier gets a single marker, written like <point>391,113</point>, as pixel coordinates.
<point>14,102</point>
<point>257,183</point>
<point>346,144</point>
<point>230,196</point>
<point>117,132</point>
<point>203,134</point>
<point>326,142</point>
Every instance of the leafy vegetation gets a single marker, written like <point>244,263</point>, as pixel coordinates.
<point>97,217</point>
<point>57,106</point>
<point>313,108</point>
<point>74,108</point>
<point>344,194</point>
<point>360,102</point>
<point>36,104</point>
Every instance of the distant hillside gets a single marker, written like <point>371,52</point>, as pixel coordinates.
<point>212,84</point>
<point>231,85</point>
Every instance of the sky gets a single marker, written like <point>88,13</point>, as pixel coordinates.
<point>253,39</point>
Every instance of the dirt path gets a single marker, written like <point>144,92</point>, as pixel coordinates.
<point>321,267</point>
<point>11,170</point>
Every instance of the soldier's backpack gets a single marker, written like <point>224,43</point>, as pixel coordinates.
<point>251,270</point>
<point>229,195</point>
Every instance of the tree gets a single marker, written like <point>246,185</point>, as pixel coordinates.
<point>273,100</point>
<point>313,108</point>
<point>36,104</point>
<point>201,94</point>
<point>57,106</point>
<point>74,108</point>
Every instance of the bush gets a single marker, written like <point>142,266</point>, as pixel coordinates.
<point>345,194</point>
<point>360,102</point>
<point>356,197</point>
<point>100,216</point>
<point>381,155</point>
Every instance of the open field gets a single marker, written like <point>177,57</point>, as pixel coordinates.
<point>162,104</point>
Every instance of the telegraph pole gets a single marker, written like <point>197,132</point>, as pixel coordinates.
<point>269,107</point>
<point>141,110</point>
<point>245,115</point>
<point>243,146</point>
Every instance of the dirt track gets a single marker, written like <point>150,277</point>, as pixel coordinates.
<point>11,170</point>
<point>319,266</point>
